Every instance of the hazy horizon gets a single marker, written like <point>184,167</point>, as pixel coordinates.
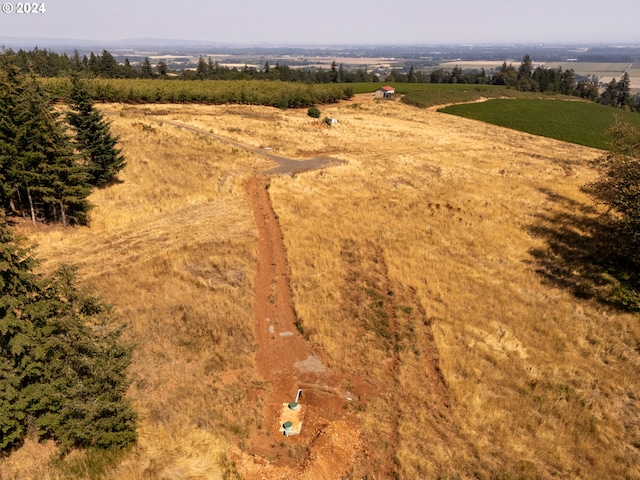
<point>333,22</point>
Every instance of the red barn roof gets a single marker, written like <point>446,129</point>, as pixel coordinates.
<point>387,88</point>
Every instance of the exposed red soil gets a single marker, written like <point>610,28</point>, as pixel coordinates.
<point>329,441</point>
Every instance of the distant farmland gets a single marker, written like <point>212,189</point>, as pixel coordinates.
<point>604,71</point>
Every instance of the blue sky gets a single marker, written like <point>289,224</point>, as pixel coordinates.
<point>305,22</point>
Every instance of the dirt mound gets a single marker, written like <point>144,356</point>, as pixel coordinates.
<point>330,455</point>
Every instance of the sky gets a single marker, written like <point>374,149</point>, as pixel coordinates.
<point>330,22</point>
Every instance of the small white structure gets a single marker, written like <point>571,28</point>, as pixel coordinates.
<point>291,417</point>
<point>384,92</point>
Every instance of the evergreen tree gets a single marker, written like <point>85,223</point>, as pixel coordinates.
<point>608,96</point>
<point>93,137</point>
<point>622,91</point>
<point>93,65</point>
<point>9,92</point>
<point>39,173</point>
<point>127,69</point>
<point>162,69</point>
<point>617,94</point>
<point>76,62</point>
<point>412,77</point>
<point>17,286</point>
<point>333,73</point>
<point>47,172</point>
<point>147,70</point>
<point>108,67</point>
<point>201,69</point>
<point>568,82</point>
<point>524,74</point>
<point>62,368</point>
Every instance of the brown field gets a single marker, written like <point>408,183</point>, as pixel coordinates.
<point>413,280</point>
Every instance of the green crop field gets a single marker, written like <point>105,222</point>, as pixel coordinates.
<point>578,122</point>
<point>431,94</point>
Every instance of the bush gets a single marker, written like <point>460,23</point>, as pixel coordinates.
<point>314,112</point>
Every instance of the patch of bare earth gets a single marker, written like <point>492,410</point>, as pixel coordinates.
<point>330,439</point>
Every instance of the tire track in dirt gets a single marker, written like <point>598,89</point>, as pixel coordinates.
<point>397,340</point>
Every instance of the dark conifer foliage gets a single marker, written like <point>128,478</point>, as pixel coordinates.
<point>62,366</point>
<point>10,91</point>
<point>45,175</point>
<point>41,177</point>
<point>93,139</point>
<point>56,184</point>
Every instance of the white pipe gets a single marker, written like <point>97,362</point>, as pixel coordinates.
<point>298,395</point>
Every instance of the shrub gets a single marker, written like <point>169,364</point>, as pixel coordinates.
<point>314,112</point>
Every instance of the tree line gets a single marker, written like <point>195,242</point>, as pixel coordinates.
<point>525,77</point>
<point>62,365</point>
<point>529,79</point>
<point>49,161</point>
<point>547,80</point>
<point>48,64</point>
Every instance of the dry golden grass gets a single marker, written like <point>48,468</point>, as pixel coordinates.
<point>483,369</point>
<point>539,383</point>
<point>173,247</point>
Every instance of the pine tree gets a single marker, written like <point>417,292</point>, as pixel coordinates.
<point>93,138</point>
<point>623,91</point>
<point>17,288</point>
<point>9,92</point>
<point>39,172</point>
<point>146,69</point>
<point>54,184</point>
<point>62,367</point>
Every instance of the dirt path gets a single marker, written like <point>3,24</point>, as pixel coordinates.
<point>285,165</point>
<point>329,442</point>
